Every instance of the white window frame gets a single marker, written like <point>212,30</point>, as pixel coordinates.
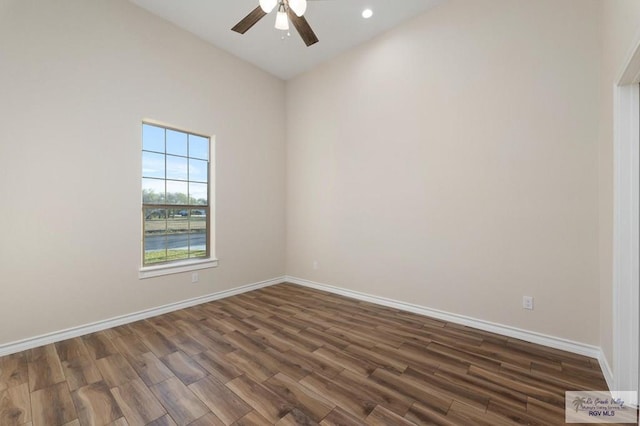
<point>187,265</point>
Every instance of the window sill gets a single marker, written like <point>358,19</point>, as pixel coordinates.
<point>176,268</point>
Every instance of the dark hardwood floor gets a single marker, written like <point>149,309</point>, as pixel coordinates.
<point>289,355</point>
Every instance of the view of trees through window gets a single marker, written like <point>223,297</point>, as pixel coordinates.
<point>175,195</point>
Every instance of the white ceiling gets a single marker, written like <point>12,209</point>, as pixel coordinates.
<point>337,23</point>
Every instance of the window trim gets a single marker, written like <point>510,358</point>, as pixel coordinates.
<point>192,264</point>
<point>176,267</point>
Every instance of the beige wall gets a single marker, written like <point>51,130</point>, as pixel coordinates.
<point>449,163</point>
<point>76,79</point>
<point>620,33</point>
<point>453,163</point>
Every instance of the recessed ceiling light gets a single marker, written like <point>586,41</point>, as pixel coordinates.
<point>367,13</point>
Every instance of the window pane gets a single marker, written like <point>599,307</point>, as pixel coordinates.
<point>177,167</point>
<point>152,165</point>
<point>198,147</point>
<point>152,138</point>
<point>198,234</point>
<point>177,254</point>
<point>176,192</point>
<point>198,170</point>
<point>198,193</point>
<point>154,256</point>
<point>155,225</point>
<point>155,220</point>
<point>178,240</point>
<point>182,214</point>
<point>153,191</point>
<point>178,234</point>
<point>176,142</point>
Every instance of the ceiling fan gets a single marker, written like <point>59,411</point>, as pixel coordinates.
<point>292,10</point>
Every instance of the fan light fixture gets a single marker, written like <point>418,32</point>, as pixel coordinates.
<point>298,6</point>
<point>282,21</point>
<point>268,5</point>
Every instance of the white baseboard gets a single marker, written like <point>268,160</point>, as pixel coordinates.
<point>607,372</point>
<point>505,330</point>
<point>45,339</point>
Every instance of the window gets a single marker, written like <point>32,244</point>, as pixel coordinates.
<point>175,196</point>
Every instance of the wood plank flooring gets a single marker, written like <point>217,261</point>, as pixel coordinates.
<point>289,355</point>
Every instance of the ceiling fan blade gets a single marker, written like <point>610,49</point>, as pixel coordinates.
<point>249,21</point>
<point>303,27</point>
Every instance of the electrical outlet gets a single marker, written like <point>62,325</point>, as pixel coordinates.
<point>527,302</point>
<point>194,277</point>
<point>315,264</point>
